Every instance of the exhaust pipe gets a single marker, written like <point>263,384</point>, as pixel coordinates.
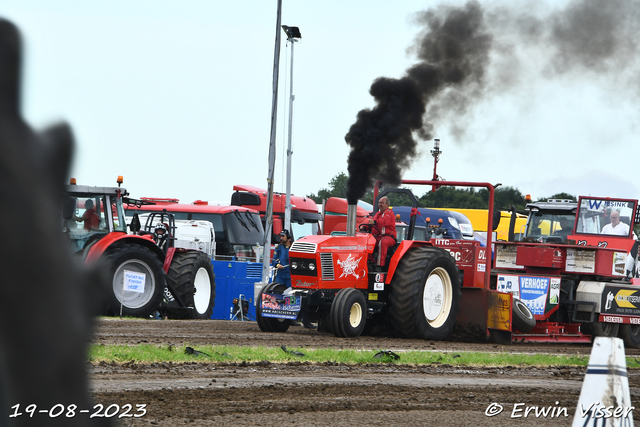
<point>351,220</point>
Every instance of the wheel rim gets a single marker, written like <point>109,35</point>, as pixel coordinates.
<point>129,299</point>
<point>201,291</point>
<point>355,315</point>
<point>634,330</point>
<point>437,297</point>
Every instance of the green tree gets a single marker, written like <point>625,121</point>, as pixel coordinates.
<point>337,188</point>
<point>563,196</point>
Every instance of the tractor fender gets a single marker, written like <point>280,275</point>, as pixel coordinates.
<point>112,239</point>
<point>404,246</point>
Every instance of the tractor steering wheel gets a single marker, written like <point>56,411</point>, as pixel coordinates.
<point>368,228</point>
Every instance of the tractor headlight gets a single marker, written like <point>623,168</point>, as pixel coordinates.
<point>312,266</point>
<point>294,265</point>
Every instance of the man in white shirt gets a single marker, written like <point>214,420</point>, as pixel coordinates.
<point>616,227</point>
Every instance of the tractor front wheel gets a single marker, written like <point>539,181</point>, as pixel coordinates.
<point>425,294</point>
<point>191,276</point>
<point>271,324</point>
<point>135,262</point>
<point>348,313</point>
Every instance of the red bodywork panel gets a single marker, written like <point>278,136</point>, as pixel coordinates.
<point>470,257</point>
<point>348,259</point>
<point>107,241</point>
<point>536,258</point>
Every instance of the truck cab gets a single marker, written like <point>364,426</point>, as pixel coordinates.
<point>551,221</point>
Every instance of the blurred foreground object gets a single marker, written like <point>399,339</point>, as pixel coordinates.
<point>45,321</point>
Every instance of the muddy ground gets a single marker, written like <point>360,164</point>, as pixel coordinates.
<point>302,394</point>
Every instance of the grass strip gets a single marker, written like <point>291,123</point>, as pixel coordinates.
<point>146,353</point>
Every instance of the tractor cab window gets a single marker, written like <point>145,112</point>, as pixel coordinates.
<point>549,226</point>
<point>605,216</point>
<point>89,217</point>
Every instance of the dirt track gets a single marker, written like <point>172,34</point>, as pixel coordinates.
<point>200,394</point>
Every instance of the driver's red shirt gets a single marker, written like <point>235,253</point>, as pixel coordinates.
<point>91,219</point>
<point>386,222</point>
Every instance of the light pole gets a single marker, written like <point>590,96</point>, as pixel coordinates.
<point>436,157</point>
<point>293,35</point>
<point>272,153</point>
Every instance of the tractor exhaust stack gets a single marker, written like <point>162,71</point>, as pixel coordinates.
<point>351,220</point>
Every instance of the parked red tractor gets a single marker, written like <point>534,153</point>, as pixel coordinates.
<point>147,272</point>
<point>565,291</point>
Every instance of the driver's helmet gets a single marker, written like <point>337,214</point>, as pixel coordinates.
<point>161,230</point>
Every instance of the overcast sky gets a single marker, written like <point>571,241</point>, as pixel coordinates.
<point>176,96</point>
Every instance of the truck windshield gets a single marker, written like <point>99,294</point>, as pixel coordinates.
<point>244,231</point>
<point>304,229</point>
<point>241,230</point>
<point>543,225</point>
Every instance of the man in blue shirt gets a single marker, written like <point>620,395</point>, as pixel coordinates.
<point>281,260</point>
<point>281,263</point>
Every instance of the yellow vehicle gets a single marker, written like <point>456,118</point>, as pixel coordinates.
<point>478,218</point>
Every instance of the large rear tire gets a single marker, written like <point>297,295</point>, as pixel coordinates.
<point>138,259</point>
<point>348,313</point>
<point>191,276</point>
<point>630,334</point>
<point>271,324</point>
<point>425,294</point>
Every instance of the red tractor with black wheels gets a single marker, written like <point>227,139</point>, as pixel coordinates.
<point>148,274</point>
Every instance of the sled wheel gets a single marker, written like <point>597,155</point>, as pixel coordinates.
<point>191,276</point>
<point>348,313</point>
<point>135,258</point>
<point>599,329</point>
<point>271,324</point>
<point>523,319</point>
<point>630,334</point>
<point>425,294</point>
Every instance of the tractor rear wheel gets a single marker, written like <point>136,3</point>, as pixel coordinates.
<point>630,334</point>
<point>425,294</point>
<point>271,324</point>
<point>191,276</point>
<point>348,313</point>
<point>523,319</point>
<point>135,258</point>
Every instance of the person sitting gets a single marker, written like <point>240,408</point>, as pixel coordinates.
<point>616,226</point>
<point>385,222</point>
<point>565,228</point>
<point>89,217</point>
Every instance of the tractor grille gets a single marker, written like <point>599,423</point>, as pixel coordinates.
<point>326,264</point>
<point>302,247</point>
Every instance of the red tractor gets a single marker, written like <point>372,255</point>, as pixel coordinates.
<point>526,291</point>
<point>147,272</point>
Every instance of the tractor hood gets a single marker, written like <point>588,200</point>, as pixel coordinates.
<point>361,242</point>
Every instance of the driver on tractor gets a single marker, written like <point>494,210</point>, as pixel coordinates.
<point>384,230</point>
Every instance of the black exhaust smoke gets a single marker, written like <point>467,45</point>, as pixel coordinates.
<point>592,41</point>
<point>453,52</point>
